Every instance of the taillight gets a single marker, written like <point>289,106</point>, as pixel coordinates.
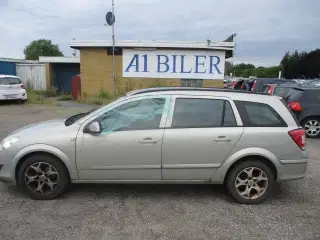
<point>22,86</point>
<point>295,106</point>
<point>299,137</point>
<point>271,89</point>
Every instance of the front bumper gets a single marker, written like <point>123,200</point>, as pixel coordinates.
<point>5,175</point>
<point>6,168</point>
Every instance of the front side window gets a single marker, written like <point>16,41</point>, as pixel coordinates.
<point>202,113</point>
<point>135,115</point>
<point>259,115</point>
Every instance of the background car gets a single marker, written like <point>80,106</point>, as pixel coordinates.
<point>270,88</point>
<point>11,88</point>
<point>259,83</point>
<point>304,101</point>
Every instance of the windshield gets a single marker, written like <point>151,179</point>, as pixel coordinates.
<point>76,117</point>
<point>71,120</point>
<point>9,81</point>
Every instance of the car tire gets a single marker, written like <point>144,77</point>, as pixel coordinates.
<point>43,177</point>
<point>250,182</point>
<point>314,122</point>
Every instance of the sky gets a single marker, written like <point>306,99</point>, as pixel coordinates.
<point>265,29</point>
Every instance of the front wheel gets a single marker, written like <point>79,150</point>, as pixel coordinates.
<point>312,127</point>
<point>250,182</point>
<point>43,177</point>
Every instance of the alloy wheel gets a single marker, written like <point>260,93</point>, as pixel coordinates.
<point>251,183</point>
<point>41,178</point>
<point>312,128</point>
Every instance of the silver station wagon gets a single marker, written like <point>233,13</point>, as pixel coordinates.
<point>246,141</point>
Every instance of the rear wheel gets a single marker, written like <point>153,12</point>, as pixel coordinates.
<point>312,127</point>
<point>250,182</point>
<point>43,177</point>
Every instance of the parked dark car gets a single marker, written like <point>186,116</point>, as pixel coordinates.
<point>260,82</point>
<point>304,101</point>
<point>270,88</point>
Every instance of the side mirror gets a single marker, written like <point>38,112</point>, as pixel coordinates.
<point>94,127</point>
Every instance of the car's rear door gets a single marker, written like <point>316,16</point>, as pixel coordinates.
<point>200,133</point>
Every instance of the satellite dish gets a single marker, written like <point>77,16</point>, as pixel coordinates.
<point>110,18</point>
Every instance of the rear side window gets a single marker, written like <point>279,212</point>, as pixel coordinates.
<point>259,115</point>
<point>9,81</point>
<point>202,113</point>
<point>289,94</point>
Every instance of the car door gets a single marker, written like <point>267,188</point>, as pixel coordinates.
<point>129,146</point>
<point>200,133</point>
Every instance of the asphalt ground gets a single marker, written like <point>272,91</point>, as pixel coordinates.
<point>96,212</point>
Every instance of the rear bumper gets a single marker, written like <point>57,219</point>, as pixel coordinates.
<point>292,169</point>
<point>19,96</point>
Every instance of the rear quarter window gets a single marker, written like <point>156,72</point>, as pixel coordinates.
<point>259,115</point>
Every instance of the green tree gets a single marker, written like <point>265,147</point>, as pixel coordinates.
<point>41,47</point>
<point>227,68</point>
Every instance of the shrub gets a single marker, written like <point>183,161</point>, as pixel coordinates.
<point>51,92</point>
<point>65,97</point>
<point>37,97</point>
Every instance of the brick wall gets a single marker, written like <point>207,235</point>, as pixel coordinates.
<point>96,75</point>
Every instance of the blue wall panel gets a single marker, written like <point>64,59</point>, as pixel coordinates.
<point>8,68</point>
<point>63,75</point>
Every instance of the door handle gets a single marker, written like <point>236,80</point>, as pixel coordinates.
<point>222,139</point>
<point>148,140</point>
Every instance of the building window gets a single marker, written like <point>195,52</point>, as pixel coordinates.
<point>191,82</point>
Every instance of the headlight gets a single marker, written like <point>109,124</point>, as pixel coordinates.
<point>7,142</point>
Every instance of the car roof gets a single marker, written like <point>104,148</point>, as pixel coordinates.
<point>214,92</point>
<point>189,89</point>
<point>4,76</point>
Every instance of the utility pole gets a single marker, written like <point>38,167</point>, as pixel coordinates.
<point>113,48</point>
<point>231,39</point>
<point>110,19</point>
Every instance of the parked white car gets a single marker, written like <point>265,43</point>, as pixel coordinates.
<point>11,88</point>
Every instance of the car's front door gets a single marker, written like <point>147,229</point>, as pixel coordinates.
<point>200,133</point>
<point>129,146</point>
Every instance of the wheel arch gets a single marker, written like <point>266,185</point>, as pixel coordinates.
<point>24,153</point>
<point>309,117</point>
<point>262,159</point>
<point>246,154</point>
